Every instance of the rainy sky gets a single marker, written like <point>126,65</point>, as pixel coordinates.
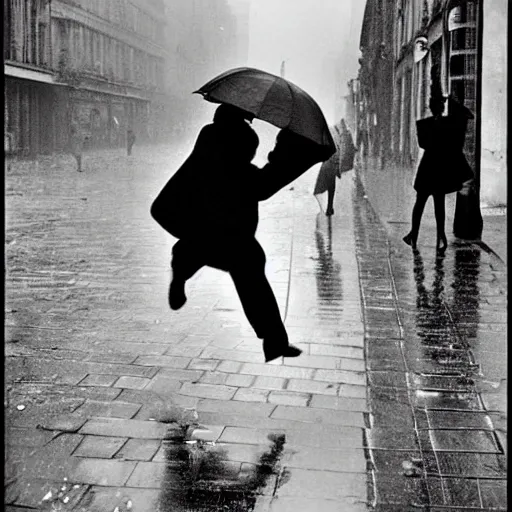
<point>318,40</point>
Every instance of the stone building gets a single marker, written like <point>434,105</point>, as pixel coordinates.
<point>376,85</point>
<point>95,65</point>
<point>111,56</point>
<point>29,78</point>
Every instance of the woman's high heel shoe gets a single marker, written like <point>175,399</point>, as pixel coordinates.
<point>442,244</point>
<point>410,240</point>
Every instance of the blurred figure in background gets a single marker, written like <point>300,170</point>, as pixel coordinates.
<point>130,141</point>
<point>342,161</point>
<point>76,146</point>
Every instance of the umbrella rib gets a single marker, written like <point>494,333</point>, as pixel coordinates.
<point>290,88</point>
<point>291,95</point>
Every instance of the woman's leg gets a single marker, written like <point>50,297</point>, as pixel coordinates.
<point>330,198</point>
<point>439,210</point>
<point>417,212</point>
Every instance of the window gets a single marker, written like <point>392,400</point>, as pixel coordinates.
<point>103,54</point>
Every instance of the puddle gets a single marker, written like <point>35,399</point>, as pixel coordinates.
<point>200,477</point>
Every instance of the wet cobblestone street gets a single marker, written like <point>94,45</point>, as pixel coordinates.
<point>115,403</point>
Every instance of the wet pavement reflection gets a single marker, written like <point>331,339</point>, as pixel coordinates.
<point>434,371</point>
<point>199,475</point>
<point>447,319</point>
<point>328,271</point>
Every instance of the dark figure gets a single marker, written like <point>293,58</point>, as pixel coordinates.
<point>211,205</point>
<point>341,161</point>
<point>76,147</point>
<point>130,141</point>
<point>443,168</point>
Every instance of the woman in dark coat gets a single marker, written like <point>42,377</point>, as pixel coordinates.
<point>341,161</point>
<point>211,205</point>
<point>443,168</point>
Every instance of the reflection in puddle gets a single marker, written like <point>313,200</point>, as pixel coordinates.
<point>447,329</point>
<point>328,271</point>
<point>200,477</point>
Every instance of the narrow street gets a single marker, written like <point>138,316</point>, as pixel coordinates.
<point>114,402</point>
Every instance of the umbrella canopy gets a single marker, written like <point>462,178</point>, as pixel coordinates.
<point>272,99</point>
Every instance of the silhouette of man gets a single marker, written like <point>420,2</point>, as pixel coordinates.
<point>211,205</point>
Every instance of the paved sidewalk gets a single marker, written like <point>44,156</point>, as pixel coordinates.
<point>133,403</point>
<point>398,402</point>
<point>436,343</point>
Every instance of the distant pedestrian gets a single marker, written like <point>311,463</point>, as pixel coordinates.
<point>443,168</point>
<point>76,146</point>
<point>130,141</point>
<point>211,205</point>
<point>342,161</point>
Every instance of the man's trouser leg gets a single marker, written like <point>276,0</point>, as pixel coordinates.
<point>247,269</point>
<point>187,259</point>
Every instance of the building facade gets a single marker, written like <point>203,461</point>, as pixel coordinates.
<point>94,65</point>
<point>412,49</point>
<point>28,90</point>
<point>375,87</point>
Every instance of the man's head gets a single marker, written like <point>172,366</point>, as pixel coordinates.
<point>230,113</point>
<point>436,105</point>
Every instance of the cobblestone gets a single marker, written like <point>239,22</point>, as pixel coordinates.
<point>218,392</point>
<point>246,409</point>
<point>108,498</point>
<point>287,372</point>
<point>251,395</point>
<point>269,382</point>
<point>139,449</point>
<point>117,409</point>
<point>131,382</point>
<point>240,381</point>
<point>98,380</point>
<point>101,472</point>
<point>309,386</point>
<point>99,447</point>
<point>165,361</point>
<point>347,461</point>
<point>289,398</point>
<point>148,475</point>
<point>124,428</point>
<point>163,384</point>
<point>324,485</point>
<point>347,418</point>
<point>244,436</point>
<point>229,366</point>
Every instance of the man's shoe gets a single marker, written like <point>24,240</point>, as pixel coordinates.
<point>329,212</point>
<point>287,351</point>
<point>177,297</point>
